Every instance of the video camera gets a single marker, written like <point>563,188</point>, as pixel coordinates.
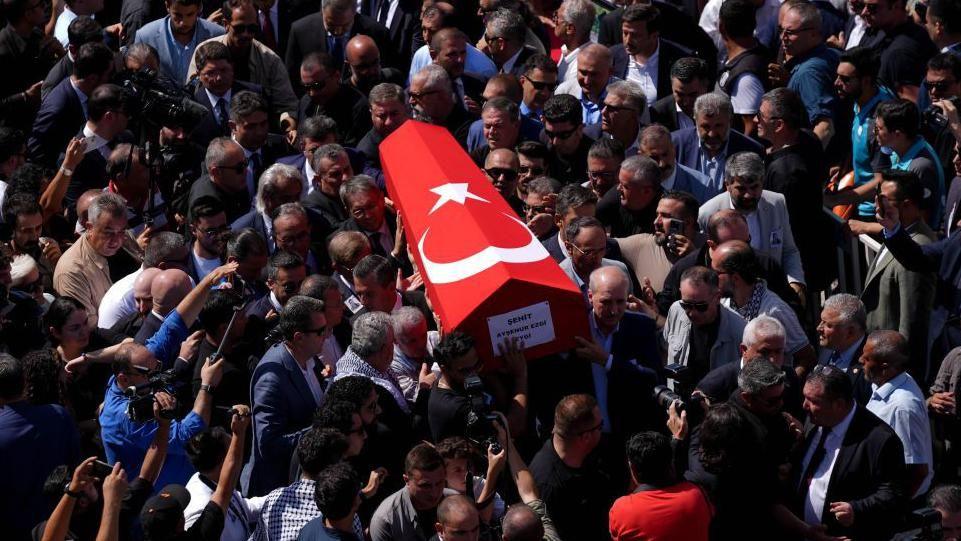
<point>159,104</point>
<point>480,421</point>
<point>926,523</point>
<point>934,117</point>
<point>142,396</point>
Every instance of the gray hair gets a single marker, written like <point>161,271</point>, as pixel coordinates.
<point>544,186</point>
<point>108,202</point>
<point>654,132</point>
<point>762,327</point>
<point>946,498</point>
<point>217,151</point>
<point>508,25</point>
<point>386,92</point>
<point>849,308</point>
<point>338,6</point>
<point>372,331</point>
<point>745,166</point>
<point>435,78</point>
<point>713,104</point>
<point>356,185</point>
<point>580,14</point>
<point>758,375</point>
<point>327,152</point>
<point>631,92</point>
<point>503,105</point>
<point>290,209</point>
<point>406,317</point>
<point>643,169</point>
<point>20,267</point>
<point>270,180</point>
<point>810,15</point>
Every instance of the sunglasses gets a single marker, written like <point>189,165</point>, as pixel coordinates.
<point>530,171</point>
<point>538,209</point>
<point>940,86</point>
<point>561,135</point>
<point>498,172</point>
<point>317,85</point>
<point>700,306</point>
<point>870,8</point>
<point>239,168</point>
<point>215,231</point>
<point>542,85</point>
<point>601,175</point>
<point>617,108</point>
<point>246,28</point>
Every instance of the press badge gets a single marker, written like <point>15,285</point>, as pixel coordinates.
<point>353,304</point>
<point>776,238</point>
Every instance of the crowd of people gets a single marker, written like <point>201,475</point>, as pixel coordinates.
<point>213,325</point>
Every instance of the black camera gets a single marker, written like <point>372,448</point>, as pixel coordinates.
<point>160,104</point>
<point>926,524</point>
<point>934,117</point>
<point>480,421</point>
<point>142,397</point>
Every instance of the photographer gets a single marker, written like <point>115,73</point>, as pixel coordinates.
<point>939,123</point>
<point>451,402</point>
<point>81,489</point>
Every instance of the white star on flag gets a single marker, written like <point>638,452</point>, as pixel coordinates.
<point>453,191</point>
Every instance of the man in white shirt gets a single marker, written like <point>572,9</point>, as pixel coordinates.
<point>573,22</point>
<point>766,17</point>
<point>898,401</point>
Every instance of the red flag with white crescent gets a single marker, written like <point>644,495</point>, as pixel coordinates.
<point>485,271</point>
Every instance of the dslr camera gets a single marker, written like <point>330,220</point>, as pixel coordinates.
<point>934,117</point>
<point>480,421</point>
<point>682,394</point>
<point>142,397</point>
<point>159,103</point>
<point>926,524</point>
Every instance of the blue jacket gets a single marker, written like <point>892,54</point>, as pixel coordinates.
<point>60,117</point>
<point>155,34</point>
<point>283,409</point>
<point>687,147</point>
<point>693,182</point>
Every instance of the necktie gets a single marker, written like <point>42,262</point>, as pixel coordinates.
<point>267,32</point>
<point>337,49</point>
<point>224,116</point>
<point>257,167</point>
<point>819,453</point>
<point>835,358</point>
<point>375,243</point>
<point>382,10</point>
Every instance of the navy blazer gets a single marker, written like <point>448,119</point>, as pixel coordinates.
<point>668,53</point>
<point>309,34</point>
<point>209,129</point>
<point>60,117</point>
<point>664,112</point>
<point>283,409</point>
<point>693,182</point>
<point>687,148</point>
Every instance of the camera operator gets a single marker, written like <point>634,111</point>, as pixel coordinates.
<point>939,126</point>
<point>82,486</point>
<point>946,500</point>
<point>451,404</point>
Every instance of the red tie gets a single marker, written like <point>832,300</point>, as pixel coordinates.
<point>267,32</point>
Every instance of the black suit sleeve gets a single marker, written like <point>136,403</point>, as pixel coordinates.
<point>912,255</point>
<point>886,502</point>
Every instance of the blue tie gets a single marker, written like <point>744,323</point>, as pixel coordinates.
<point>336,48</point>
<point>835,358</point>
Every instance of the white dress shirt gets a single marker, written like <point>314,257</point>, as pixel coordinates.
<point>645,75</point>
<point>311,378</point>
<point>567,64</point>
<point>818,489</point>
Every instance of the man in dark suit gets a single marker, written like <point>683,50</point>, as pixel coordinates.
<point>64,111</point>
<point>332,168</point>
<point>388,111</point>
<point>224,179</point>
<point>506,33</point>
<point>448,49</point>
<point>329,30</point>
<point>363,70</point>
<point>401,18</point>
<point>217,86</point>
<point>106,120</point>
<point>81,31</point>
<point>434,100</point>
<point>849,473</point>
<point>690,78</point>
<point>248,127</point>
<point>375,283</point>
<point>369,215</point>
<point>575,201</point>
<point>285,273</point>
<point>325,94</point>
<point>675,26</point>
<point>285,391</point>
<point>706,146</point>
<point>27,57</point>
<point>641,40</point>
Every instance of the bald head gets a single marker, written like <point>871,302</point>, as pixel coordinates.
<point>83,204</point>
<point>361,46</point>
<point>731,248</point>
<point>521,524</point>
<point>168,288</point>
<point>609,279</point>
<point>142,293</point>
<point>502,157</point>
<point>595,52</point>
<point>888,348</point>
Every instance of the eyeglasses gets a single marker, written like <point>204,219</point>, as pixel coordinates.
<point>542,85</point>
<point>239,168</point>
<point>246,28</point>
<point>940,86</point>
<point>528,170</point>
<point>538,209</point>
<point>617,108</point>
<point>700,306</point>
<point>590,251</point>
<point>318,331</point>
<point>215,231</point>
<point>601,175</point>
<point>291,287</point>
<point>420,95</point>
<point>561,135</point>
<point>788,32</point>
<point>497,172</point>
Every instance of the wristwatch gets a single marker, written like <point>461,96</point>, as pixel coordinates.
<point>68,492</point>
<point>66,172</point>
<point>207,388</point>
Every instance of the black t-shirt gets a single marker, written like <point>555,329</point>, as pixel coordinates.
<point>577,499</point>
<point>209,527</point>
<point>621,221</point>
<point>447,413</point>
<point>702,339</point>
<point>906,51</point>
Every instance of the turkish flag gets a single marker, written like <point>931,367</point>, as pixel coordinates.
<point>485,272</point>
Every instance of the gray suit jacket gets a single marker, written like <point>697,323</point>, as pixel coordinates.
<point>898,299</point>
<point>777,238</point>
<point>155,34</point>
<point>677,335</point>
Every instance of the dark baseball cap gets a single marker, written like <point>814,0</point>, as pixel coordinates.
<point>163,512</point>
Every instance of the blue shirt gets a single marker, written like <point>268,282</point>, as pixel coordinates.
<point>316,531</point>
<point>476,62</point>
<point>529,113</point>
<point>180,55</point>
<point>862,154</point>
<point>600,372</point>
<point>165,343</point>
<point>812,79</point>
<point>530,131</point>
<point>713,168</point>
